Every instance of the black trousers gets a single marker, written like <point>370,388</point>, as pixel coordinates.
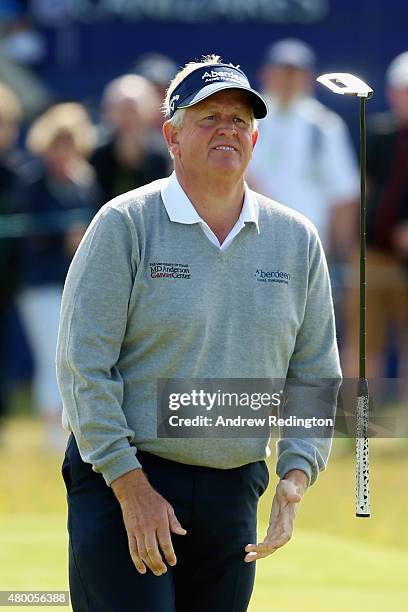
<point>216,507</point>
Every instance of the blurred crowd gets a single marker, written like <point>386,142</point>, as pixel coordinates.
<point>59,168</point>
<point>50,189</point>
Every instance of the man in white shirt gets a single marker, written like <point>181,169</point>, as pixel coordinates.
<point>304,157</point>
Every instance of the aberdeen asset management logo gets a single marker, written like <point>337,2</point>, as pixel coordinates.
<point>169,270</point>
<point>223,75</point>
<point>272,276</point>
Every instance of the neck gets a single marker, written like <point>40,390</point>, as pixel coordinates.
<point>217,200</point>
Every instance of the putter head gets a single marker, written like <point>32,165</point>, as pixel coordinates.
<point>345,84</point>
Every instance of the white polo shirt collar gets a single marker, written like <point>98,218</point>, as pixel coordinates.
<point>180,210</point>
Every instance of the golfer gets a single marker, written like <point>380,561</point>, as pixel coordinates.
<point>189,277</point>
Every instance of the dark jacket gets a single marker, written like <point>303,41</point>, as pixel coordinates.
<point>115,179</point>
<point>387,174</point>
<point>52,210</point>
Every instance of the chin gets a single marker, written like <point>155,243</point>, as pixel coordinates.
<point>227,168</point>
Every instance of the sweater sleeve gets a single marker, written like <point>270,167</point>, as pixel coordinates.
<point>92,327</point>
<point>314,376</point>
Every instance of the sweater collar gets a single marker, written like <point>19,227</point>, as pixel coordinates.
<point>180,209</point>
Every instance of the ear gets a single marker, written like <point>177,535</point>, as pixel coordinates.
<point>171,136</point>
<point>255,136</point>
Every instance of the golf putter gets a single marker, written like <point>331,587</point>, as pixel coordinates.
<point>348,84</point>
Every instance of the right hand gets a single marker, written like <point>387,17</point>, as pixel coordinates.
<point>400,239</point>
<point>72,239</point>
<point>148,519</point>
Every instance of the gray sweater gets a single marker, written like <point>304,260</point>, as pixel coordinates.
<point>125,324</point>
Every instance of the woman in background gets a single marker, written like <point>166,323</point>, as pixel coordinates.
<point>60,201</point>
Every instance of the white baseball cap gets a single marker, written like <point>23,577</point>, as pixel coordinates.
<point>291,52</point>
<point>397,73</point>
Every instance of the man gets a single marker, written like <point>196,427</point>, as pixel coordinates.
<point>165,525</point>
<point>304,158</point>
<point>127,159</point>
<point>387,233</point>
<point>159,69</point>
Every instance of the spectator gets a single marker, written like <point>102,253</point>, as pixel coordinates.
<point>10,115</point>
<point>126,161</point>
<point>22,49</point>
<point>21,43</point>
<point>159,69</point>
<point>60,200</point>
<point>387,233</point>
<point>304,157</point>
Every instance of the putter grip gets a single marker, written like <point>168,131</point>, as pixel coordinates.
<point>362,458</point>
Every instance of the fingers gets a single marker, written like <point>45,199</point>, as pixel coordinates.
<point>134,553</point>
<point>147,552</point>
<point>148,521</point>
<point>280,526</point>
<point>175,526</point>
<point>166,545</point>
<point>154,557</point>
<point>266,548</point>
<point>164,537</point>
<point>256,556</point>
<point>146,545</point>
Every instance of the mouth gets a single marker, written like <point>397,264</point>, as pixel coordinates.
<point>225,148</point>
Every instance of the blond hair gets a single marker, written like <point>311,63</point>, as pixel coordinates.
<point>68,118</point>
<point>10,107</point>
<point>181,75</point>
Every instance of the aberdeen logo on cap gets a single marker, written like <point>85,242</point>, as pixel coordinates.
<point>223,75</point>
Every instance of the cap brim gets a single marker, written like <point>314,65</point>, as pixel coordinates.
<point>258,104</point>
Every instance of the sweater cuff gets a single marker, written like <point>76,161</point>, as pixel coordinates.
<point>295,462</point>
<point>122,465</point>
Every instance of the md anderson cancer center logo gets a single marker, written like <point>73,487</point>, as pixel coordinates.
<point>169,270</point>
<point>272,276</point>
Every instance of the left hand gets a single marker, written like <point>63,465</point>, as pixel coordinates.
<point>288,494</point>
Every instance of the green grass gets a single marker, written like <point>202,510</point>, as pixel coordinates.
<point>319,572</point>
<point>334,562</point>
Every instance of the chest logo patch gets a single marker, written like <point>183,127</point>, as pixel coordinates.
<point>169,270</point>
<point>272,276</point>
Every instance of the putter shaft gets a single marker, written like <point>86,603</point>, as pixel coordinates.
<point>362,452</point>
<point>348,84</point>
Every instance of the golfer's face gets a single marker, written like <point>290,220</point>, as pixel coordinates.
<point>216,135</point>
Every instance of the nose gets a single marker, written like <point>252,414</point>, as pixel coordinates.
<point>227,126</point>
